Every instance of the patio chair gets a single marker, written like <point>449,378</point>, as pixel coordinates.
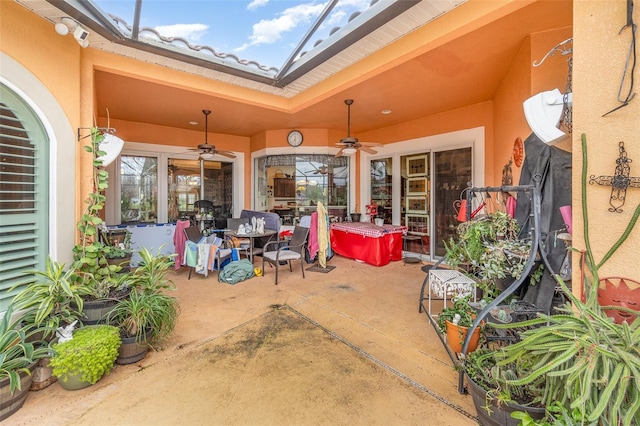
<point>192,252</point>
<point>286,251</point>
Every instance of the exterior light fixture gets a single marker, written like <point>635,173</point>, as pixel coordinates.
<point>68,25</point>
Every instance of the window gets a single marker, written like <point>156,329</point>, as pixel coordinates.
<point>293,185</point>
<point>138,189</point>
<point>24,194</point>
<point>187,185</point>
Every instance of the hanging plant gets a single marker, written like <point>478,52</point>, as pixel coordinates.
<point>90,254</point>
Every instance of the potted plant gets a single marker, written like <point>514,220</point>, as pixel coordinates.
<point>118,250</point>
<point>455,322</point>
<point>92,254</point>
<point>583,364</point>
<point>148,315</point>
<point>54,299</point>
<point>83,360</point>
<point>487,249</point>
<point>494,396</point>
<point>18,359</point>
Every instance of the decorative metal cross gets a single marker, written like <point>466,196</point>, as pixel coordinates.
<point>619,182</point>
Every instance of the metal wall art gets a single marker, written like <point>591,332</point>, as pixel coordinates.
<point>619,182</point>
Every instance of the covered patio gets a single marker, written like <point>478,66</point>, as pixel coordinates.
<point>372,323</point>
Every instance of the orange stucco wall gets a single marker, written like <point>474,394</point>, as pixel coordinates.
<point>600,52</point>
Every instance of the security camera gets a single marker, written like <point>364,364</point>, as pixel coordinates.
<point>82,36</point>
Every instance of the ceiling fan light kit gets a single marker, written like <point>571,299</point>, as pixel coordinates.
<point>349,151</point>
<point>350,145</point>
<point>206,151</point>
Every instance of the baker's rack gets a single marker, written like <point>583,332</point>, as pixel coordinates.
<point>536,254</point>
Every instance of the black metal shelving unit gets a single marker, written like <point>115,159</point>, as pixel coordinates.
<point>536,254</point>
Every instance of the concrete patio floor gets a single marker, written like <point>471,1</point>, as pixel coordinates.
<point>372,311</point>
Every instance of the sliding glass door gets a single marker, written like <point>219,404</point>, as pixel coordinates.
<point>451,173</point>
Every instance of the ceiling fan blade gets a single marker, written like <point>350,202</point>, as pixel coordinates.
<point>339,153</point>
<point>370,144</point>
<point>368,150</point>
<point>228,154</point>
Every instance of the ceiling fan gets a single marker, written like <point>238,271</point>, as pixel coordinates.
<point>322,170</point>
<point>350,145</point>
<point>206,151</point>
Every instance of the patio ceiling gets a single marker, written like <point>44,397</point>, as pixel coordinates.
<point>462,71</point>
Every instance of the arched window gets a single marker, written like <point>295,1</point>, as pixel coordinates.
<point>24,197</point>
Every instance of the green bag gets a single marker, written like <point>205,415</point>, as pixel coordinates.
<point>237,271</point>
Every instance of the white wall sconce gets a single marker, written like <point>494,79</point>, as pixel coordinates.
<point>68,25</point>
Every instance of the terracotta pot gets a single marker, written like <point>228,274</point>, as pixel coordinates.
<point>456,335</point>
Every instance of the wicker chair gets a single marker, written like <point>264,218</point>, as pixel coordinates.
<point>277,252</point>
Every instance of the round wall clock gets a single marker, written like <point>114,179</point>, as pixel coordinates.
<point>518,152</point>
<point>295,138</point>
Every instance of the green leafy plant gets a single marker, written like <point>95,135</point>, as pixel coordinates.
<point>90,254</point>
<point>90,354</point>
<point>481,366</point>
<point>151,315</point>
<point>474,236</point>
<point>116,247</point>
<point>151,274</point>
<point>148,309</point>
<point>54,299</point>
<point>460,308</point>
<point>17,353</point>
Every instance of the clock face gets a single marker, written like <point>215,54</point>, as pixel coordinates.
<point>295,138</point>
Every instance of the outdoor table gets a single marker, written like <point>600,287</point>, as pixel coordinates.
<point>375,245</point>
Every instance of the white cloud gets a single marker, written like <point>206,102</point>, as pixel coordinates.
<point>270,31</point>
<point>255,4</point>
<point>191,32</point>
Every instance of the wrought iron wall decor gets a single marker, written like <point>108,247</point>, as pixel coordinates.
<point>564,48</point>
<point>619,182</point>
<point>630,64</point>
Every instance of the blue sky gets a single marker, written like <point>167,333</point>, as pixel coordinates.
<point>266,31</point>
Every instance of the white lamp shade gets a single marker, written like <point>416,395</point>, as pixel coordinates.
<point>112,145</point>
<point>349,151</point>
<point>543,112</point>
<point>206,155</point>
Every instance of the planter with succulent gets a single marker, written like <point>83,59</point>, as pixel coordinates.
<point>487,248</point>
<point>504,261</point>
<point>455,322</point>
<point>89,355</point>
<point>148,316</point>
<point>19,355</point>
<point>494,397</point>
